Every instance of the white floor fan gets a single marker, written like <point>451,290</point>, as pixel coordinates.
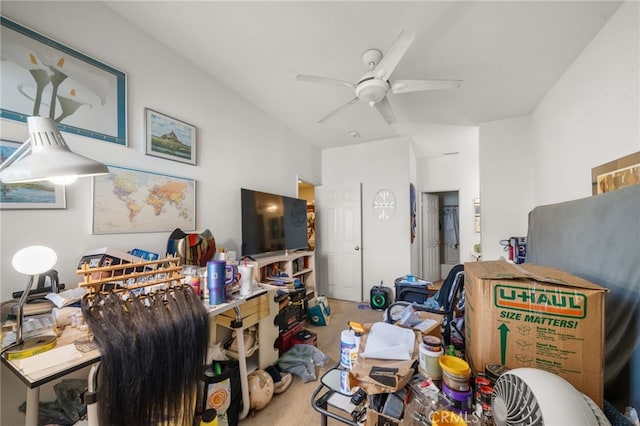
<point>534,397</point>
<point>374,85</point>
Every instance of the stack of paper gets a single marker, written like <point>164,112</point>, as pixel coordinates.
<point>388,341</point>
<point>48,359</point>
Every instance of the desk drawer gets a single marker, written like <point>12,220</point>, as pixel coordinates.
<point>251,311</point>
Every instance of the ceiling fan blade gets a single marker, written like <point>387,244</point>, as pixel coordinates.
<point>338,110</point>
<point>323,80</point>
<point>384,107</point>
<point>405,86</point>
<point>391,59</point>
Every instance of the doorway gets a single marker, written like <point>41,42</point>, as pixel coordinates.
<point>440,234</point>
<point>339,231</point>
<point>307,192</point>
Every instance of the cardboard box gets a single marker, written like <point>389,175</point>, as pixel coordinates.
<point>378,419</point>
<point>534,316</point>
<point>435,330</point>
<point>390,409</point>
<point>376,375</point>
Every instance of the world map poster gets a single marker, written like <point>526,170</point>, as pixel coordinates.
<point>127,200</point>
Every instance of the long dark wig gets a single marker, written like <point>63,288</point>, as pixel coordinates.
<point>153,350</point>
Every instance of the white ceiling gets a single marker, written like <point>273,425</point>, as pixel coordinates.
<point>508,54</point>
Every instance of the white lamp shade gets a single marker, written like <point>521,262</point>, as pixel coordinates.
<point>34,260</point>
<point>50,157</point>
<point>372,91</point>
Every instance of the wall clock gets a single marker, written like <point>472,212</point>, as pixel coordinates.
<point>384,205</point>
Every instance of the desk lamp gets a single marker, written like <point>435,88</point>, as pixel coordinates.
<point>31,261</point>
<point>50,158</point>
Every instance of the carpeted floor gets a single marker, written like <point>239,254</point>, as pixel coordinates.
<point>293,407</point>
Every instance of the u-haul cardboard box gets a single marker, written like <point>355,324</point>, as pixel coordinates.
<point>533,316</point>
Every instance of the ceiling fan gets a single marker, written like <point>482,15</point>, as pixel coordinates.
<point>374,85</point>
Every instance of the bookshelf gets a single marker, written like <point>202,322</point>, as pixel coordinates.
<point>287,271</point>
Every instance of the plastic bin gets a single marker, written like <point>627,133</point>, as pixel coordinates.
<point>408,292</point>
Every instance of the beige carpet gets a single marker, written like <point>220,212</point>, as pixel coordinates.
<point>293,407</point>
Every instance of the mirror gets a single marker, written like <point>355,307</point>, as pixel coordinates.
<point>338,381</point>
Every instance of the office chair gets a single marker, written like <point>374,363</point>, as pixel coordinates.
<point>450,297</point>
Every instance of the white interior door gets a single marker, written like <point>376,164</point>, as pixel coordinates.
<point>338,246</point>
<point>451,236</point>
<point>430,238</point>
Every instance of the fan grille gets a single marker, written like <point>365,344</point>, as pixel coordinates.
<point>514,404</point>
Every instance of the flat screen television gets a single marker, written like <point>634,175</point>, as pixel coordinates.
<point>272,223</point>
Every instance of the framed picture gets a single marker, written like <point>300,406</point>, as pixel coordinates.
<point>170,138</point>
<point>32,195</point>
<point>476,214</point>
<point>616,174</point>
<point>43,77</point>
<point>412,212</point>
<point>128,200</point>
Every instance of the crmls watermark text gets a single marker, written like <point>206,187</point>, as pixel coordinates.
<point>549,302</point>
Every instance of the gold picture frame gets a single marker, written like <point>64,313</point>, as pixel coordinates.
<point>616,174</point>
<point>169,138</point>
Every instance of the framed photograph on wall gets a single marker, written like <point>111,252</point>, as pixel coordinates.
<point>476,213</point>
<point>170,138</point>
<point>41,76</point>
<point>31,195</point>
<point>616,174</point>
<point>128,200</point>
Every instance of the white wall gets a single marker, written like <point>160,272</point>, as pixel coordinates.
<point>377,165</point>
<point>590,117</point>
<point>415,268</point>
<point>442,173</point>
<point>387,251</point>
<point>231,153</point>
<point>506,182</point>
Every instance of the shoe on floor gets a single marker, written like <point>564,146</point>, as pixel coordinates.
<point>281,379</point>
<point>285,381</point>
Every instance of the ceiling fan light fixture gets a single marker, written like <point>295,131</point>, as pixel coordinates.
<point>372,91</point>
<point>374,84</point>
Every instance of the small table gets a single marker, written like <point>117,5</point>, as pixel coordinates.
<point>335,397</point>
<point>38,378</point>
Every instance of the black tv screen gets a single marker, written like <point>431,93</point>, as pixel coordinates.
<point>272,223</point>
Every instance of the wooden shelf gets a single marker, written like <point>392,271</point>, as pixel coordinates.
<point>133,275</point>
<point>297,265</point>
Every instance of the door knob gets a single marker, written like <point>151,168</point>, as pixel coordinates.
<point>357,248</point>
